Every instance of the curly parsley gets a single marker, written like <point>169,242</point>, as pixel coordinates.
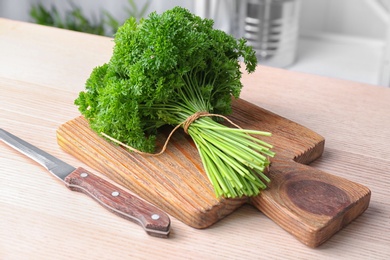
<point>165,69</point>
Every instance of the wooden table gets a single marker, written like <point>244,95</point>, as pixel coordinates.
<point>42,70</point>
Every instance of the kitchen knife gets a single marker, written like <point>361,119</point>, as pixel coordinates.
<point>153,220</point>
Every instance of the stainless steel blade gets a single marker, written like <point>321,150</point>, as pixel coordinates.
<point>54,165</point>
<point>154,221</point>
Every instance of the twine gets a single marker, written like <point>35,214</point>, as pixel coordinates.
<point>186,124</point>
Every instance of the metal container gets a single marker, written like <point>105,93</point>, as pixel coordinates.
<point>271,27</point>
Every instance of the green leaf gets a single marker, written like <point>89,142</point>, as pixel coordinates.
<point>166,68</point>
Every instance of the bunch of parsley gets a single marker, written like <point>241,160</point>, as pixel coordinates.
<point>166,68</point>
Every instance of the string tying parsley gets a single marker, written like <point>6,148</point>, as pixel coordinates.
<point>185,124</point>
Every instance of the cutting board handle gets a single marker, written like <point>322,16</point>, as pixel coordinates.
<point>310,204</point>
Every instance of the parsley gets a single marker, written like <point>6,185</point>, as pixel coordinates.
<point>165,69</point>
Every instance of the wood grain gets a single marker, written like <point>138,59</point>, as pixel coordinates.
<point>310,204</point>
<point>42,71</point>
<point>174,181</point>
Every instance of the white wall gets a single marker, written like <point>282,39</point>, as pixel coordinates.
<point>360,18</point>
<point>17,11</point>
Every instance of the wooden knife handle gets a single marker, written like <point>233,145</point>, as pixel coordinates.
<point>310,204</point>
<point>153,220</point>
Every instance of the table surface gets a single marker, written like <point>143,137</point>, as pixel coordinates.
<point>43,69</point>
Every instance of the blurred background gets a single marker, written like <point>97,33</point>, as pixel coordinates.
<point>346,39</point>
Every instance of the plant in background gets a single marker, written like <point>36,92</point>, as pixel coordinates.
<point>76,20</point>
<point>132,11</point>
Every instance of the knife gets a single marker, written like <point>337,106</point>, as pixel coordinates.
<point>154,221</point>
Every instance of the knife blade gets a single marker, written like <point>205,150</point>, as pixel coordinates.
<point>154,221</point>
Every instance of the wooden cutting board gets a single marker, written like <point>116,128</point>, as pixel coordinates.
<point>310,204</point>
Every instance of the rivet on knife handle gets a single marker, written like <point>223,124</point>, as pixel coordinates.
<point>154,221</point>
